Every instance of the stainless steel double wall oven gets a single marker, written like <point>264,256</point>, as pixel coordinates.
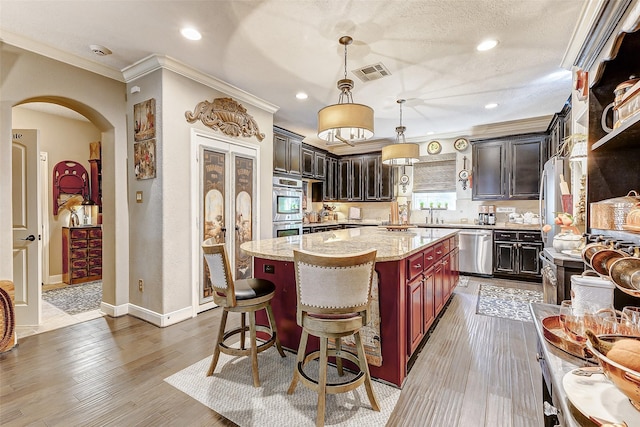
<point>287,206</point>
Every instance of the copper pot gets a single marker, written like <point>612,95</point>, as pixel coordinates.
<point>589,250</point>
<point>625,274</point>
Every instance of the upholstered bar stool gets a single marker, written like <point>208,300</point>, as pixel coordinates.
<point>244,296</point>
<point>334,293</point>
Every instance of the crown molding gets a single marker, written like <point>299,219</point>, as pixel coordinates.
<point>59,55</point>
<point>155,62</point>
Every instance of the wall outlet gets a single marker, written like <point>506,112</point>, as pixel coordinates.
<point>140,285</point>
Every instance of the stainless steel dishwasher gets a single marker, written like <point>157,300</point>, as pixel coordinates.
<point>476,251</point>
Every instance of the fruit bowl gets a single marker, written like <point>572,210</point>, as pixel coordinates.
<point>625,379</point>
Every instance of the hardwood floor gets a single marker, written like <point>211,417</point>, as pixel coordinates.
<point>474,371</point>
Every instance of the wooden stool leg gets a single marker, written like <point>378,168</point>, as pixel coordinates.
<point>364,367</point>
<point>322,381</point>
<point>338,358</point>
<point>274,330</point>
<point>243,327</point>
<point>254,348</point>
<point>216,348</point>
<point>299,358</point>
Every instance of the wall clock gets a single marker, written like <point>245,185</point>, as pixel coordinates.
<point>434,147</point>
<point>461,144</point>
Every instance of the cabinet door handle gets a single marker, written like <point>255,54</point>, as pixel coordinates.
<point>429,258</point>
<point>417,265</point>
<point>519,245</point>
<point>439,252</point>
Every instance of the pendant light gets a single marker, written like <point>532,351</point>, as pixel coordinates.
<point>345,122</point>
<point>401,153</point>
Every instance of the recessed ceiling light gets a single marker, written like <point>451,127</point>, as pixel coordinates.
<point>190,33</point>
<point>487,45</point>
<point>491,105</point>
<point>301,95</point>
<point>430,132</point>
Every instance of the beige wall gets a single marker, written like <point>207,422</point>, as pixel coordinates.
<point>26,76</point>
<point>62,139</point>
<point>160,237</point>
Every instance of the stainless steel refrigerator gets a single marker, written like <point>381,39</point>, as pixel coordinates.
<point>550,196</point>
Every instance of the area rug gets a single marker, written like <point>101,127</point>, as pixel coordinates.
<point>230,393</point>
<point>508,303</point>
<point>75,299</point>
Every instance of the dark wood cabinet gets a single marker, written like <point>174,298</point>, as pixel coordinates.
<point>559,128</point>
<point>81,254</point>
<point>612,167</point>
<point>517,253</point>
<point>508,168</point>
<point>308,164</point>
<point>320,164</point>
<point>350,179</point>
<point>287,151</point>
<point>488,170</point>
<point>378,179</point>
<point>331,179</point>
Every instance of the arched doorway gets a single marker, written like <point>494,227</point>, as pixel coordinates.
<point>65,131</point>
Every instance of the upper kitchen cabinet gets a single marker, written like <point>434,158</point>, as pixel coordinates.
<point>350,179</point>
<point>313,162</point>
<point>331,179</point>
<point>378,179</point>
<point>508,168</point>
<point>612,167</point>
<point>559,129</point>
<point>287,151</point>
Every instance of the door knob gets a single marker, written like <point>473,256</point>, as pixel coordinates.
<point>30,238</point>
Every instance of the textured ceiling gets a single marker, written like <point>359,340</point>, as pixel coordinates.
<point>275,48</point>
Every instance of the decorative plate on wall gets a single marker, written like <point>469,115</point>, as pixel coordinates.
<point>434,147</point>
<point>461,144</point>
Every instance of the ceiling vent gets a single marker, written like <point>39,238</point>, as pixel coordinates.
<point>99,50</point>
<point>372,72</point>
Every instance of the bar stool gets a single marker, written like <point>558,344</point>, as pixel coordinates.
<point>242,296</point>
<point>333,294</point>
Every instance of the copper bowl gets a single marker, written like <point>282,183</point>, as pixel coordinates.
<point>625,274</point>
<point>625,379</point>
<point>601,260</point>
<point>590,250</point>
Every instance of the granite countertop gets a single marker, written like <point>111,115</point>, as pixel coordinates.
<point>499,226</point>
<point>560,258</point>
<point>391,245</point>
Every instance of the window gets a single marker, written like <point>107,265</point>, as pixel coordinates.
<point>442,200</point>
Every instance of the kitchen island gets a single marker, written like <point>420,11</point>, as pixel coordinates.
<point>416,273</point>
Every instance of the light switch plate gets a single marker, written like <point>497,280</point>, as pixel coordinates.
<point>138,196</point>
<point>505,210</point>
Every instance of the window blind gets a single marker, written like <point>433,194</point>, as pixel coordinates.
<point>435,173</point>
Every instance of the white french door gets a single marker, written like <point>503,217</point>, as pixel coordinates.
<point>224,201</point>
<point>27,272</point>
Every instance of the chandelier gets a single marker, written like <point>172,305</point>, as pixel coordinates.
<point>345,122</point>
<point>401,153</point>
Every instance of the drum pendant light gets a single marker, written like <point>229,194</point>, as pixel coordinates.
<point>345,122</point>
<point>401,153</point>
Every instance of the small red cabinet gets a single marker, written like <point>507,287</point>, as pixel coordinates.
<point>81,254</point>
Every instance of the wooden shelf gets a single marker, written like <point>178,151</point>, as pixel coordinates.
<point>624,136</point>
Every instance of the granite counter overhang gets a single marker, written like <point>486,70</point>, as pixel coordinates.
<point>390,245</point>
<point>499,226</point>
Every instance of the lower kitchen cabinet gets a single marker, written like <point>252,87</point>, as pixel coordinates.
<point>517,254</point>
<point>431,277</point>
<point>81,254</point>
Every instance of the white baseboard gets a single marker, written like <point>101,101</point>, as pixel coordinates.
<point>114,310</point>
<point>54,279</point>
<point>161,320</point>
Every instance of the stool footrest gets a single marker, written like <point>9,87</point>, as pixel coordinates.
<point>331,388</point>
<point>233,351</point>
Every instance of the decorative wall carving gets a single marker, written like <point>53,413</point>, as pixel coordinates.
<point>227,116</point>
